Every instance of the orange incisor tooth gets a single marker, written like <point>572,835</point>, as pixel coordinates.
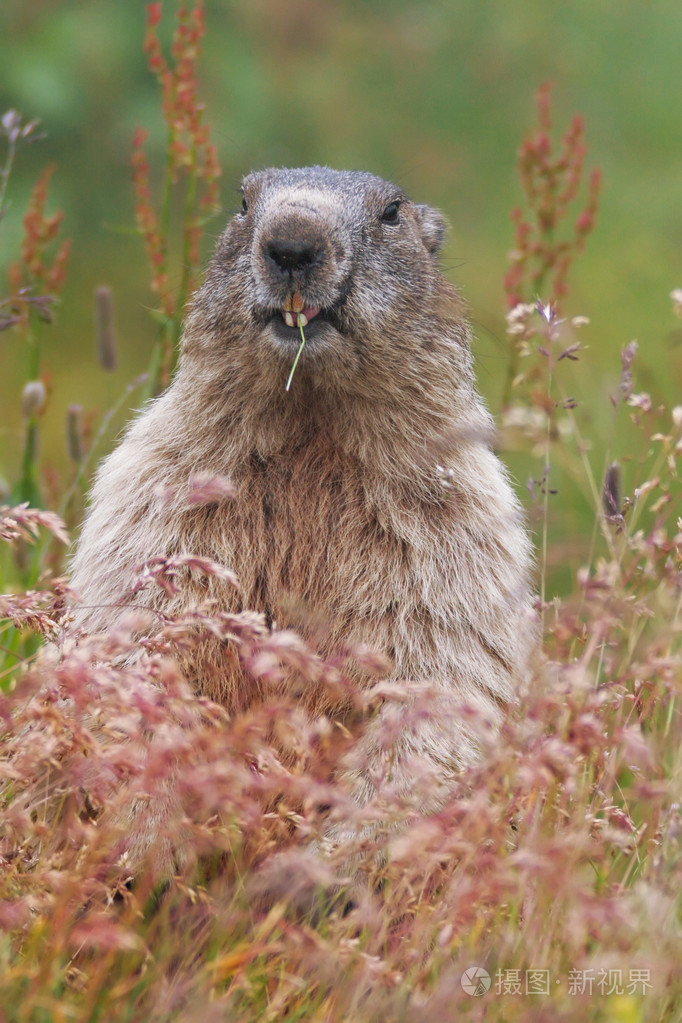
<point>297,302</point>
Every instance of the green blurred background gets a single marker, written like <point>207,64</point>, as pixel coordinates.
<point>435,95</point>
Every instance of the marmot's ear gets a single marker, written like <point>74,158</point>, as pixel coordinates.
<point>433,227</point>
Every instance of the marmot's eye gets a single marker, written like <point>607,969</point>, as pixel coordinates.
<point>245,205</point>
<point>390,214</point>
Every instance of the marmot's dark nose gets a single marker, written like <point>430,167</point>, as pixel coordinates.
<point>290,254</point>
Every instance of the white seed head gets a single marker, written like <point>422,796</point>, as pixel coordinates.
<point>33,398</point>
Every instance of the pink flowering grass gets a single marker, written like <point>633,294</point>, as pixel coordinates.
<point>558,852</point>
<point>553,864</point>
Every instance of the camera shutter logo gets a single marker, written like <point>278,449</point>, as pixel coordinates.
<point>476,981</point>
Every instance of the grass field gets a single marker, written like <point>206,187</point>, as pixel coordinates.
<point>547,887</point>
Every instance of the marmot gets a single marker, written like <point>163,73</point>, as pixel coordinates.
<point>368,493</point>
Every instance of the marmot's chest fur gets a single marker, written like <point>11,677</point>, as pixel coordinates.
<point>305,535</point>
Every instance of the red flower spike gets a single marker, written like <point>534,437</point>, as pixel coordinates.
<point>191,156</point>
<point>153,14</point>
<point>40,231</point>
<point>551,182</point>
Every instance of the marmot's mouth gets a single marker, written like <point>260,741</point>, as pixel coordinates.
<point>287,319</point>
<point>302,318</point>
<point>314,320</point>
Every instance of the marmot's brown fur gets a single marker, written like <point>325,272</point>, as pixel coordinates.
<point>368,493</point>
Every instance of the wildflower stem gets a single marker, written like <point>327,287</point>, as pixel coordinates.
<point>33,351</point>
<point>545,508</point>
<point>154,371</point>
<point>298,355</point>
<point>27,489</point>
<point>190,198</point>
<point>164,221</point>
<point>169,337</point>
<point>187,267</point>
<point>164,357</point>
<point>6,171</point>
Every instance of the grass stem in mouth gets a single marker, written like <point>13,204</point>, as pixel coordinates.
<point>298,353</point>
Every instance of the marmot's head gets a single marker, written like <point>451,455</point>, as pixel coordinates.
<point>345,251</point>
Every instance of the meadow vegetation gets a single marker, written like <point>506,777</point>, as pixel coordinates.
<point>554,865</point>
